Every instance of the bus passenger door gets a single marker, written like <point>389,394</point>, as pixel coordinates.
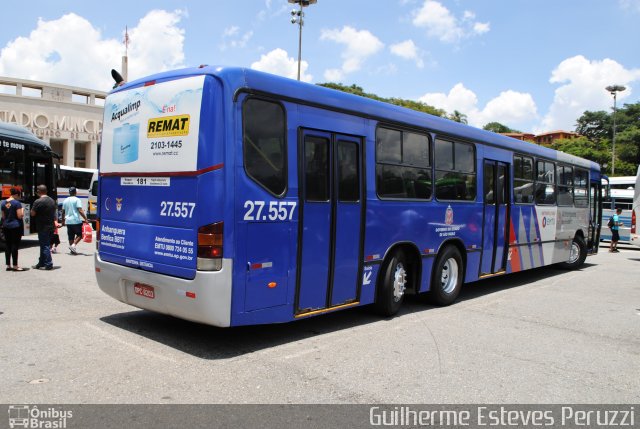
<point>595,216</point>
<point>331,219</point>
<point>496,218</point>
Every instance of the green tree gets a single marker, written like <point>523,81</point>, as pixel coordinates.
<point>585,148</point>
<point>458,117</point>
<point>410,104</point>
<point>598,127</point>
<point>594,125</point>
<point>497,127</point>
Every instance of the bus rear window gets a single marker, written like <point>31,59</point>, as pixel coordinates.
<point>263,144</point>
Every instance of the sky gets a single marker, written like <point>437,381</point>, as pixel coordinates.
<point>533,65</point>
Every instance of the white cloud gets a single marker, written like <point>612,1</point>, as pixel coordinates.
<point>441,24</point>
<point>278,62</point>
<point>157,44</point>
<point>511,108</point>
<point>231,38</point>
<point>359,45</point>
<point>633,5</point>
<point>481,27</point>
<point>582,88</point>
<point>70,50</point>
<point>409,51</point>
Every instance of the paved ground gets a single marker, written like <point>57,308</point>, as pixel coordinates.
<point>543,336</point>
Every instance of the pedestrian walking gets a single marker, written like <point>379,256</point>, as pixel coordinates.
<point>55,237</point>
<point>615,227</point>
<point>12,213</point>
<point>73,217</point>
<point>44,213</point>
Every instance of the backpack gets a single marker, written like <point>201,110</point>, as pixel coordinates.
<point>610,223</point>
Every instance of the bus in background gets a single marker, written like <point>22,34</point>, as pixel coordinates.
<point>92,206</point>
<point>635,213</point>
<point>233,197</point>
<point>621,191</point>
<point>80,178</point>
<point>25,162</point>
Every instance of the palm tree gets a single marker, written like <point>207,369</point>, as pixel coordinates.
<point>459,117</point>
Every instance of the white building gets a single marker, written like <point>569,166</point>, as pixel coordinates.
<point>67,118</point>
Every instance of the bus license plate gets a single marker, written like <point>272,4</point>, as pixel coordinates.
<point>144,290</point>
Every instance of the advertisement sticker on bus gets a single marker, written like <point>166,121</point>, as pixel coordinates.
<point>153,126</point>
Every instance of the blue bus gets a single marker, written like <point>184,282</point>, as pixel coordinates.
<point>230,197</point>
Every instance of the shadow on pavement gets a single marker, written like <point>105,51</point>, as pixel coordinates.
<point>207,342</point>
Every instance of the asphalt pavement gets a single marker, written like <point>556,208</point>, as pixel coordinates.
<point>543,336</point>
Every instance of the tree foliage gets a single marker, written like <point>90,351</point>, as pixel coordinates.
<point>410,104</point>
<point>598,127</point>
<point>458,117</point>
<point>497,127</point>
<point>585,148</point>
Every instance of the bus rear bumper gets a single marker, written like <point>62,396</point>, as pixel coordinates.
<point>205,299</point>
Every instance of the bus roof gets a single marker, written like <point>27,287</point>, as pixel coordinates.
<point>22,134</point>
<point>238,80</point>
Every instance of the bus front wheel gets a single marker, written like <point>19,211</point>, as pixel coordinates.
<point>447,277</point>
<point>392,285</point>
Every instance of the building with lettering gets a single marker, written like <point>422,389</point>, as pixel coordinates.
<point>67,118</point>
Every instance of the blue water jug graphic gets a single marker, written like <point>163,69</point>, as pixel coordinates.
<point>125,143</point>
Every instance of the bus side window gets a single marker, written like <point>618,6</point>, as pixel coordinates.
<point>263,144</point>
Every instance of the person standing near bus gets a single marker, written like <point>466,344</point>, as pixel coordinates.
<point>615,234</point>
<point>44,212</point>
<point>73,217</point>
<point>12,213</point>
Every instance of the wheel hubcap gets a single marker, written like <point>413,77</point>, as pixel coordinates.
<point>449,278</point>
<point>399,282</point>
<point>575,253</point>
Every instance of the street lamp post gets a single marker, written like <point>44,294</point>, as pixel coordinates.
<point>614,89</point>
<point>298,18</point>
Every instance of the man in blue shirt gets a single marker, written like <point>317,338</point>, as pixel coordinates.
<point>73,217</point>
<point>615,234</point>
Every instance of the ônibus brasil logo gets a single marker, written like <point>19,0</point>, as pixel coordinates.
<point>27,416</point>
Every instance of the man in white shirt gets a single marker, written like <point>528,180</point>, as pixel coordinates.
<point>73,217</point>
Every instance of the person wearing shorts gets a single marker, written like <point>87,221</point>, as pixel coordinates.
<point>615,231</point>
<point>73,217</point>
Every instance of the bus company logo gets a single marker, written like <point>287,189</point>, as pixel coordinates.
<point>26,416</point>
<point>121,113</point>
<point>168,126</point>
<point>119,204</point>
<point>448,216</point>
<point>548,221</point>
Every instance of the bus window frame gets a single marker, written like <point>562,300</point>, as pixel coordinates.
<point>401,163</point>
<point>285,165</point>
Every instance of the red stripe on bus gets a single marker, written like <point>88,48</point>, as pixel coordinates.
<point>167,173</point>
<point>515,251</point>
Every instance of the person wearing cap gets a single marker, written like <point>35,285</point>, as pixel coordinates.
<point>73,217</point>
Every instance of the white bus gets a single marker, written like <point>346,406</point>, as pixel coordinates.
<point>621,195</point>
<point>92,206</point>
<point>80,178</point>
<point>635,212</point>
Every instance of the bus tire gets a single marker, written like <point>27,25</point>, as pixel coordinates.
<point>578,254</point>
<point>446,281</point>
<point>392,285</point>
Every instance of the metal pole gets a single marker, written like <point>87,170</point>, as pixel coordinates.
<point>613,148</point>
<point>300,39</point>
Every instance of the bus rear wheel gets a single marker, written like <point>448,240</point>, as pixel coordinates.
<point>392,285</point>
<point>447,277</point>
<point>578,254</point>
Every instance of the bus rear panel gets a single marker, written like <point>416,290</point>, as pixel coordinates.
<point>161,211</point>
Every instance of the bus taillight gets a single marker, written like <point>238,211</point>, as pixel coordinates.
<point>210,247</point>
<point>633,221</point>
